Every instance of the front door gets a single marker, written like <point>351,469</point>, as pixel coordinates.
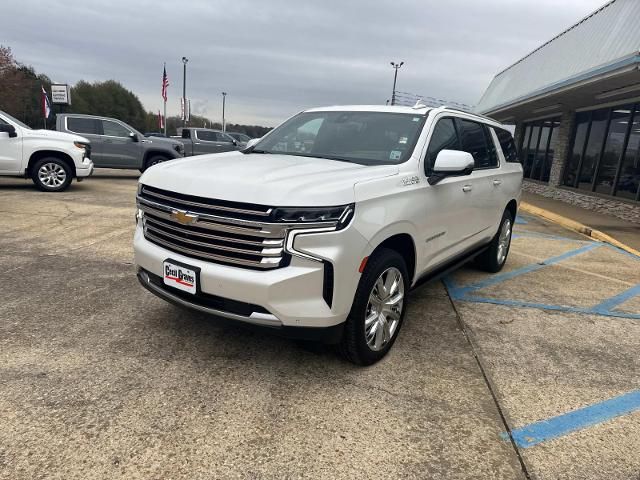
<point>446,227</point>
<point>10,152</point>
<point>119,148</point>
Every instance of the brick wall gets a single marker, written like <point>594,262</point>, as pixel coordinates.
<point>608,206</point>
<point>561,149</point>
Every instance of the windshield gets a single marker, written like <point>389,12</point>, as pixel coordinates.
<point>368,138</point>
<point>14,120</point>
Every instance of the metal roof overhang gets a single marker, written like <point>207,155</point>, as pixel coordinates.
<point>597,86</point>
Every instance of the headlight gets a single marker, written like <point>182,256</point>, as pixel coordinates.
<point>80,145</point>
<point>339,215</point>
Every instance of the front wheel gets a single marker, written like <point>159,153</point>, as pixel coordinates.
<point>51,174</point>
<point>378,309</point>
<point>493,258</point>
<point>153,161</point>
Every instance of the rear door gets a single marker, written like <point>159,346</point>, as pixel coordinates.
<point>476,139</point>
<point>119,149</point>
<point>207,141</point>
<point>89,128</point>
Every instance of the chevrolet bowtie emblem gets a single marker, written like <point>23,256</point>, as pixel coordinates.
<point>183,217</point>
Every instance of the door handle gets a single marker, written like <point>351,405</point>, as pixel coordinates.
<point>497,183</point>
<point>467,188</point>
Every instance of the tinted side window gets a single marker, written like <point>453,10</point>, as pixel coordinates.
<point>114,129</point>
<point>491,147</point>
<point>472,138</point>
<point>206,136</point>
<point>508,145</point>
<point>444,137</point>
<point>223,137</point>
<point>82,125</point>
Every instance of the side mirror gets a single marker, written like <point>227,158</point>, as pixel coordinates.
<point>451,163</point>
<point>134,137</point>
<point>10,129</point>
<point>252,142</point>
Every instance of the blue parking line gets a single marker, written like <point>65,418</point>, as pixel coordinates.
<point>529,268</point>
<point>520,220</point>
<point>525,233</point>
<point>561,425</point>
<point>611,303</point>
<point>455,295</point>
<point>624,252</point>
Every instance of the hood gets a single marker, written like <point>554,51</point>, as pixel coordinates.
<point>165,142</point>
<point>55,135</point>
<point>267,179</point>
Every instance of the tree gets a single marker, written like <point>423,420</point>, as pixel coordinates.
<point>109,99</point>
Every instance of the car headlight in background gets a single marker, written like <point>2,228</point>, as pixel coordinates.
<point>338,215</point>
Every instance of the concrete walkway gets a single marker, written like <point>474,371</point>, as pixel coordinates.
<point>625,232</point>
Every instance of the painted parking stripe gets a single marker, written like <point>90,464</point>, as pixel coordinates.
<point>520,220</point>
<point>529,268</point>
<point>561,425</point>
<point>611,303</point>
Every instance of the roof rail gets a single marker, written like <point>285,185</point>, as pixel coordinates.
<point>458,110</point>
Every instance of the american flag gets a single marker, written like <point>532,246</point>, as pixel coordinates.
<point>165,83</point>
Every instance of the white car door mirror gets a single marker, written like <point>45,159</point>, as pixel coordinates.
<point>451,163</point>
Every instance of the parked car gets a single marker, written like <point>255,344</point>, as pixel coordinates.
<point>319,229</point>
<point>51,159</point>
<point>241,138</point>
<point>115,144</point>
<point>198,141</point>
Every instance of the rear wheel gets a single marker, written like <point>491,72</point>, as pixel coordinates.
<point>493,259</point>
<point>51,174</point>
<point>378,309</point>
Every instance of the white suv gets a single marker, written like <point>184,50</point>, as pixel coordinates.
<point>320,228</point>
<point>52,159</point>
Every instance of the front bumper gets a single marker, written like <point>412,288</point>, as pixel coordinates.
<point>287,297</point>
<point>84,168</point>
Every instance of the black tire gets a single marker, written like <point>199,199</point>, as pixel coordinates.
<point>491,260</point>
<point>354,346</point>
<point>50,174</point>
<point>156,159</point>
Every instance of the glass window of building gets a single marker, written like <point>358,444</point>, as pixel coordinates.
<point>538,145</point>
<point>605,152</point>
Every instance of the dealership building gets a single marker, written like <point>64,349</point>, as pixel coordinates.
<point>575,104</point>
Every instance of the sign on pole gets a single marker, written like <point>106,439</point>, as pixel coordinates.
<point>60,94</point>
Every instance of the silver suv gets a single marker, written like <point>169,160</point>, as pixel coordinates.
<point>114,144</point>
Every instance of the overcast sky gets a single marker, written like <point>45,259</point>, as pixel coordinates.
<point>277,57</point>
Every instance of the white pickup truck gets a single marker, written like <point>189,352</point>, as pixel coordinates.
<point>319,229</point>
<point>51,159</point>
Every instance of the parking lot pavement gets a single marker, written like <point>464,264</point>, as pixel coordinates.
<point>102,380</point>
<point>558,333</point>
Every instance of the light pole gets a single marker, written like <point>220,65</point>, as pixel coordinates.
<point>224,124</point>
<point>396,67</point>
<point>184,90</point>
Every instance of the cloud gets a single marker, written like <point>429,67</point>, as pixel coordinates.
<point>276,58</point>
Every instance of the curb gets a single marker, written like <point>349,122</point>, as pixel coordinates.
<point>576,227</point>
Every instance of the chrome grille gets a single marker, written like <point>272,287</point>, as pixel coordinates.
<point>224,232</point>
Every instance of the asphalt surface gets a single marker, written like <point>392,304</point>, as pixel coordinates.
<point>100,379</point>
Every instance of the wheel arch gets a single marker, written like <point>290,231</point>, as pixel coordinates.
<point>404,244</point>
<point>39,154</point>
<point>512,207</point>
<point>156,153</point>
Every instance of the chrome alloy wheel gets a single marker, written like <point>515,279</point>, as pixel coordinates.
<point>382,315</point>
<point>504,240</point>
<point>52,175</point>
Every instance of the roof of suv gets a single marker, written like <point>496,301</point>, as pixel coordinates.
<point>420,109</point>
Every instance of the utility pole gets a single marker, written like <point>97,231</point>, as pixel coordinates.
<point>184,90</point>
<point>396,67</point>
<point>224,124</point>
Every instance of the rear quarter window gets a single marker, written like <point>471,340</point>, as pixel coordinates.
<point>507,144</point>
<point>82,125</point>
